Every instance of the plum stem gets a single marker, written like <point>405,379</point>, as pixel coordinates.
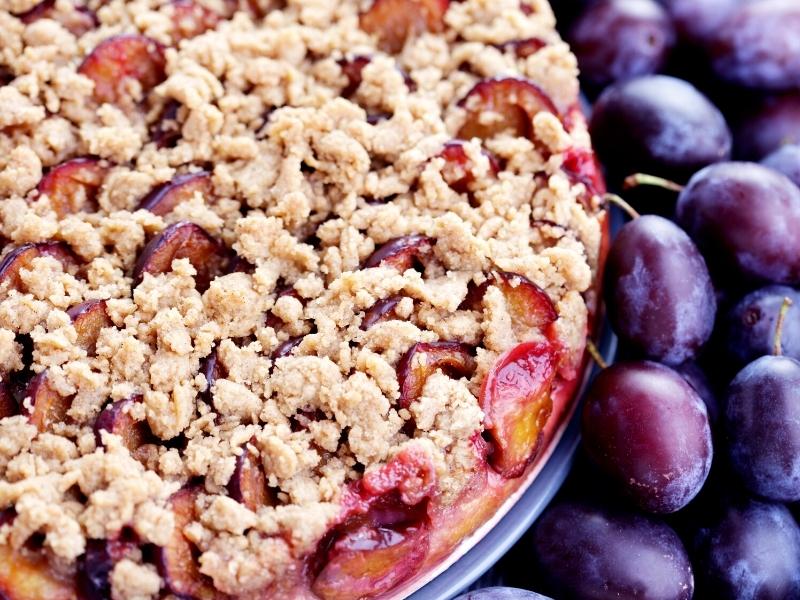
<point>637,179</point>
<point>593,351</point>
<point>629,210</point>
<point>777,350</point>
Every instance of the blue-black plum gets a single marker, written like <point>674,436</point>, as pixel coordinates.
<point>590,553</point>
<point>762,427</point>
<point>775,123</point>
<point>698,20</point>
<point>750,326</point>
<point>751,553</point>
<point>757,45</point>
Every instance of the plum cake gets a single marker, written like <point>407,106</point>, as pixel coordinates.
<point>294,295</point>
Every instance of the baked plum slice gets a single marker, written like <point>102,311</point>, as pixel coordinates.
<point>23,256</point>
<point>402,253</point>
<point>212,369</point>
<point>516,399</point>
<point>248,483</point>
<point>383,538</point>
<point>27,575</point>
<point>8,404</point>
<point>425,358</point>
<point>95,566</point>
<point>47,407</point>
<point>166,130</point>
<point>190,19</point>
<point>77,22</point>
<point>115,418</point>
<point>183,240</point>
<point>394,21</point>
<point>89,319</point>
<point>500,105</point>
<point>122,58</point>
<point>176,561</point>
<point>459,170</point>
<point>163,199</point>
<point>525,47</point>
<point>529,305</point>
<point>380,311</point>
<point>369,559</point>
<point>581,166</point>
<point>352,70</point>
<point>72,186</point>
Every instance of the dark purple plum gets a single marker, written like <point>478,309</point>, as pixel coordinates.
<point>501,593</point>
<point>751,553</point>
<point>616,40</point>
<point>758,46</point>
<point>697,21</point>
<point>745,219</point>
<point>699,381</point>
<point>658,125</point>
<point>592,553</point>
<point>658,291</point>
<point>762,427</point>
<point>750,325</point>
<point>775,123</point>
<point>786,160</point>
<point>648,429</point>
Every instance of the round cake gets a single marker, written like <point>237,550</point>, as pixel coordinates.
<point>292,294</point>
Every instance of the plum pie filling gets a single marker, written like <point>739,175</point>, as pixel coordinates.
<point>292,294</point>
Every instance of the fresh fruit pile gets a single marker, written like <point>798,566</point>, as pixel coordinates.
<point>689,473</point>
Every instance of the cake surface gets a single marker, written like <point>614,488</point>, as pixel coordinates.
<point>273,275</point>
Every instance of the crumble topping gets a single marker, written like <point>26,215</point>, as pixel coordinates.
<point>305,184</point>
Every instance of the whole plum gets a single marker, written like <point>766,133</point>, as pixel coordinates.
<point>762,427</point>
<point>774,123</point>
<point>751,553</point>
<point>592,553</point>
<point>658,125</point>
<point>758,46</point>
<point>745,218</point>
<point>648,430</point>
<point>620,39</point>
<point>658,290</point>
